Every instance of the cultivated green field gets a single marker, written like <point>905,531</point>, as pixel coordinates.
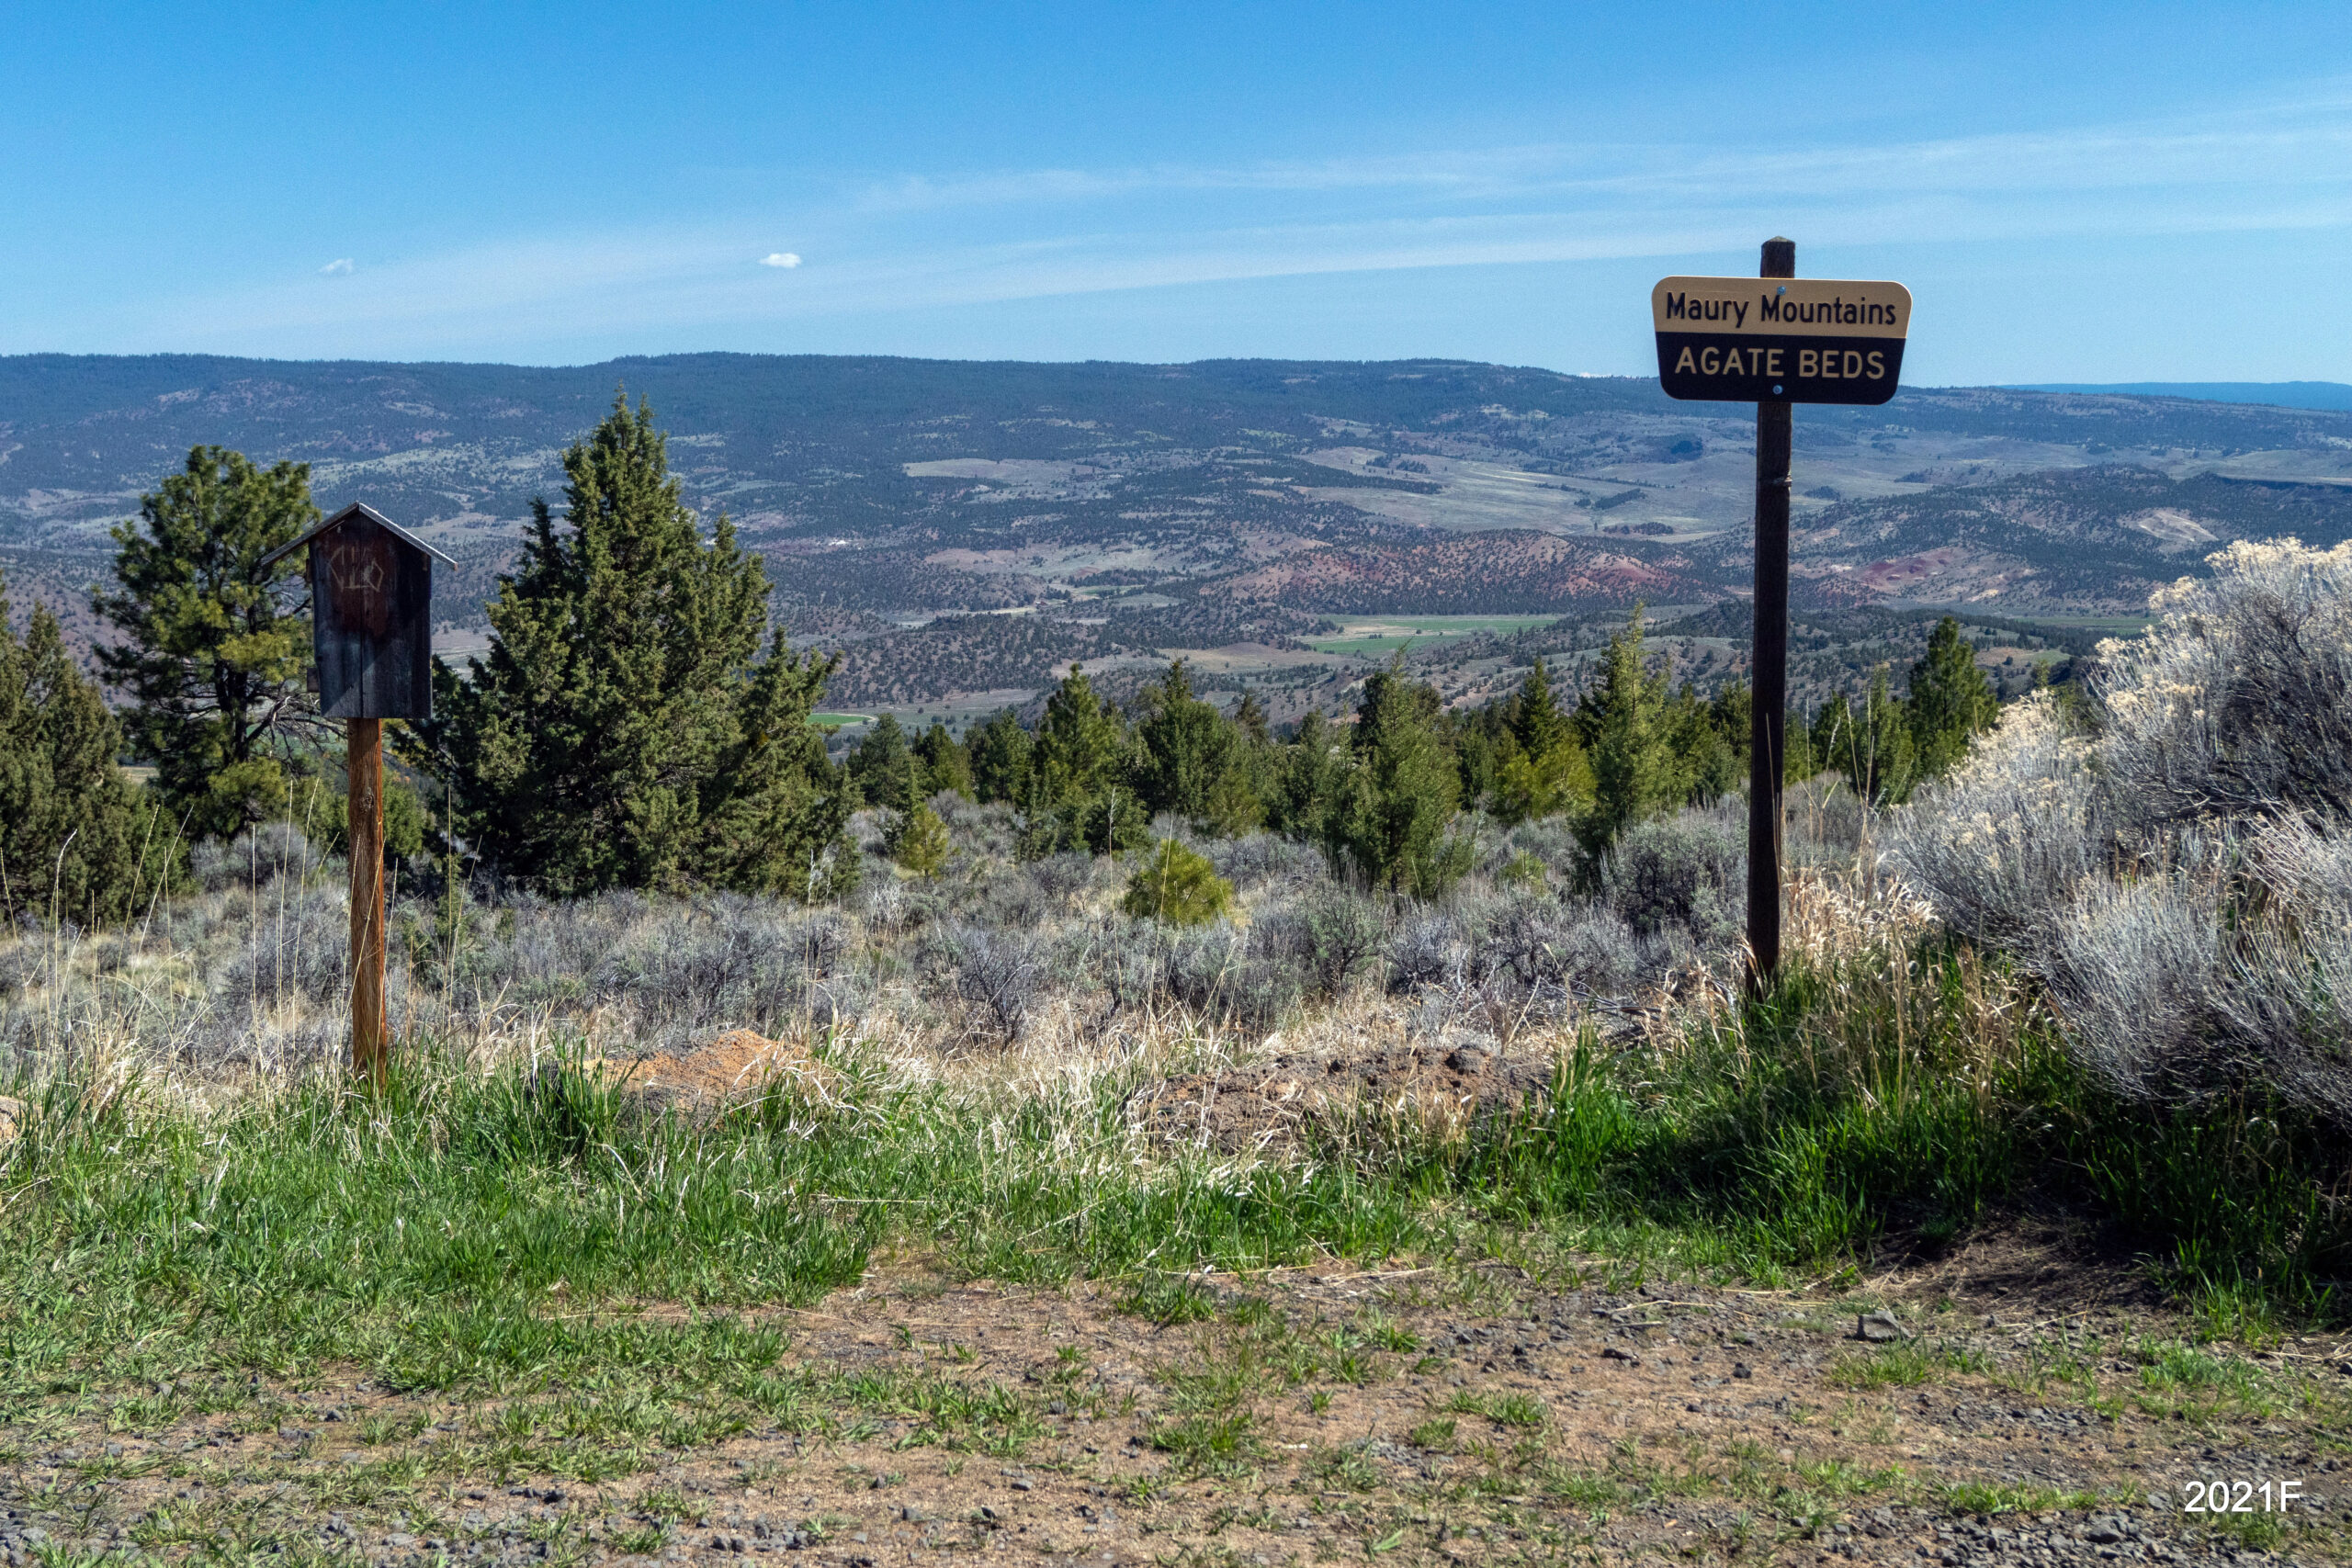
<point>1385,634</point>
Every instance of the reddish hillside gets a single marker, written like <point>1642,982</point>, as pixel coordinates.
<point>1499,573</point>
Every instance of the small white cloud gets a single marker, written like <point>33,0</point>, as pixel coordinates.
<point>339,268</point>
<point>780,258</point>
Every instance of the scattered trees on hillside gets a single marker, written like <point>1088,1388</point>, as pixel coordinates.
<point>1382,797</point>
<point>1889,745</point>
<point>635,724</point>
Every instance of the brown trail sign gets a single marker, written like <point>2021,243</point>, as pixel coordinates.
<point>1776,340</point>
<point>372,635</point>
<point>1808,340</point>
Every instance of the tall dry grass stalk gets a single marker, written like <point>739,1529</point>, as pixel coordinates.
<point>1870,1007</point>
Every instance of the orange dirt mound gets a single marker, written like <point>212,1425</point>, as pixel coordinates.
<point>739,1065</point>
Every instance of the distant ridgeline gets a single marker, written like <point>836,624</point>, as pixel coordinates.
<point>2281,394</point>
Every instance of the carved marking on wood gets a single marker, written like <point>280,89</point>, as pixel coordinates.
<point>360,570</point>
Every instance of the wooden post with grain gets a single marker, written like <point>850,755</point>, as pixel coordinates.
<point>1768,715</point>
<point>364,753</point>
<point>371,634</point>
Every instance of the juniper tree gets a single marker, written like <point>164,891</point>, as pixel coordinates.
<point>1951,703</point>
<point>999,753</point>
<point>777,810</point>
<point>1870,747</point>
<point>1185,750</point>
<point>1546,773</point>
<point>1537,725</point>
<point>944,761</point>
<point>214,645</point>
<point>1557,783</point>
<point>1249,717</point>
<point>1707,768</point>
<point>1390,823</point>
<point>1308,780</point>
<point>1886,760</point>
<point>1074,795</point>
<point>885,768</point>
<point>73,830</point>
<point>622,731</point>
<point>1621,720</point>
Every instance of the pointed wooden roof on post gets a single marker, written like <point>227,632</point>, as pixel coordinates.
<point>371,615</point>
<point>359,509</point>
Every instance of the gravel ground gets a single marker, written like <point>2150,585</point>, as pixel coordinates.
<point>1952,1415</point>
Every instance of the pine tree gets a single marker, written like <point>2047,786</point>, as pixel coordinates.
<point>1178,887</point>
<point>73,833</point>
<point>212,655</point>
<point>1951,702</point>
<point>621,733</point>
<point>918,842</point>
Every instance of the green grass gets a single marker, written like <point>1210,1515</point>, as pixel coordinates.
<point>1906,1365</point>
<point>1502,1409</point>
<point>479,1236</point>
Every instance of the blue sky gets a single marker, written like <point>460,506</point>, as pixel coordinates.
<point>2072,192</point>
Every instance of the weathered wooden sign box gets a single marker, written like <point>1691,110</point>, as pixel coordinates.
<point>372,607</point>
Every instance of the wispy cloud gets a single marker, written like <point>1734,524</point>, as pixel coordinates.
<point>2310,139</point>
<point>924,241</point>
<point>339,268</point>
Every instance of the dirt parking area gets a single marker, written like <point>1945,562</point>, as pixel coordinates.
<point>1998,1408</point>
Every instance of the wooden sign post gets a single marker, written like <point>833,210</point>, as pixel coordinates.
<point>371,634</point>
<point>1809,341</point>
